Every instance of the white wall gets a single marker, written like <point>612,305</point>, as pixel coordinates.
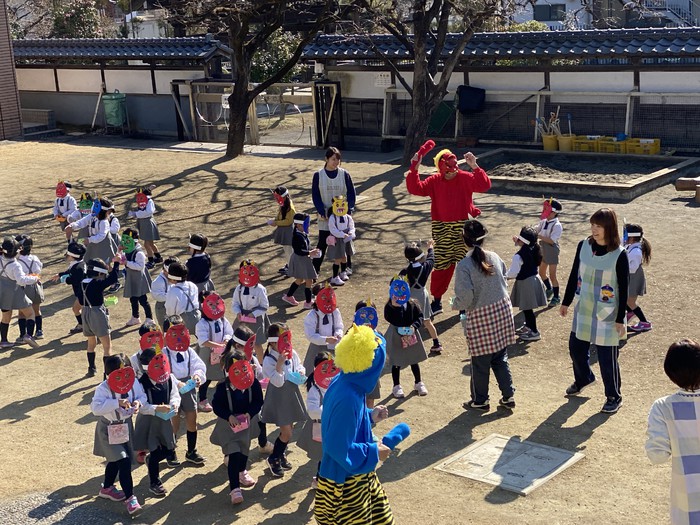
<point>681,81</point>
<point>164,77</point>
<point>79,80</point>
<point>138,81</point>
<point>35,79</point>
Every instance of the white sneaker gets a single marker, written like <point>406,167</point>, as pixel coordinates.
<point>133,321</point>
<point>348,271</point>
<point>397,391</point>
<point>420,388</point>
<point>337,281</point>
<point>344,276</point>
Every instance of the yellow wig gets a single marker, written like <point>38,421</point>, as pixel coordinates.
<point>355,351</point>
<point>439,156</point>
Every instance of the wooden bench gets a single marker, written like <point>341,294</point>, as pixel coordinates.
<point>688,184</point>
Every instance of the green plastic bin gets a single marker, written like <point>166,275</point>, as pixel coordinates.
<point>115,108</point>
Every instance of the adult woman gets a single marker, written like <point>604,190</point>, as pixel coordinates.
<point>481,290</point>
<point>599,276</point>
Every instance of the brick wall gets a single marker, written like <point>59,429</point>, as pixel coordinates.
<point>10,119</point>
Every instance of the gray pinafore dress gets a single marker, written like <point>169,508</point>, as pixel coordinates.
<point>314,449</point>
<point>230,441</point>
<point>148,229</point>
<point>152,432</point>
<point>300,266</point>
<point>528,293</point>
<point>191,315</point>
<point>421,296</point>
<point>283,405</point>
<point>262,323</point>
<point>159,306</point>
<point>34,292</point>
<point>341,249</point>
<point>315,349</point>
<point>95,318</point>
<point>137,282</point>
<point>103,448</point>
<point>115,236</point>
<point>214,371</point>
<point>12,296</point>
<point>397,355</point>
<point>105,249</point>
<point>188,400</point>
<point>638,281</point>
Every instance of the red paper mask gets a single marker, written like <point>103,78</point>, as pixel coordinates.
<point>61,190</point>
<point>448,164</point>
<point>152,339</point>
<point>121,380</point>
<point>280,198</point>
<point>241,374</point>
<point>213,306</point>
<point>177,338</point>
<point>141,200</point>
<point>326,300</point>
<point>159,368</point>
<point>546,208</point>
<point>249,275</point>
<point>249,347</point>
<point>284,344</point>
<point>324,372</point>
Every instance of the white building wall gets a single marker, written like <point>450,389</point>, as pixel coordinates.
<point>660,81</point>
<point>79,80</point>
<point>137,81</point>
<point>35,80</point>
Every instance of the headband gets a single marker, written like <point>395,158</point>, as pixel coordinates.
<point>241,341</point>
<point>194,246</point>
<point>520,238</point>
<point>297,221</point>
<point>68,252</point>
<point>271,339</point>
<point>174,277</point>
<point>484,236</point>
<point>634,234</point>
<point>97,269</point>
<point>286,192</point>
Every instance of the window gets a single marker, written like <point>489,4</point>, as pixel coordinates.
<point>550,12</point>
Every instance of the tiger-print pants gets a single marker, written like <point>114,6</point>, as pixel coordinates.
<point>449,250</point>
<point>361,500</point>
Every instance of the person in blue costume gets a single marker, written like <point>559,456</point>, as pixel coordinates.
<point>349,491</point>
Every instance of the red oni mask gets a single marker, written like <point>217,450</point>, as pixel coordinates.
<point>249,347</point>
<point>61,190</point>
<point>241,374</point>
<point>546,209</point>
<point>213,306</point>
<point>177,338</point>
<point>324,372</point>
<point>280,198</point>
<point>152,339</point>
<point>447,163</point>
<point>249,275</point>
<point>121,380</point>
<point>159,368</point>
<point>326,300</point>
<point>284,344</point>
<point>141,200</point>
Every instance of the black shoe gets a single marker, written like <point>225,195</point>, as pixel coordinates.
<point>92,371</point>
<point>113,289</point>
<point>284,270</point>
<point>507,402</point>
<point>575,390</point>
<point>275,467</point>
<point>172,461</point>
<point>150,265</point>
<point>436,307</point>
<point>284,462</point>
<point>158,260</point>
<point>158,490</point>
<point>612,405</point>
<point>194,457</point>
<point>482,407</point>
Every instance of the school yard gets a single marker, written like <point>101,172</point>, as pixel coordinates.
<point>49,472</point>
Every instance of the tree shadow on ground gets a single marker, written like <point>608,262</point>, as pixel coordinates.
<point>20,409</point>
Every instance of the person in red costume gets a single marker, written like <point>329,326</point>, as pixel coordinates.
<point>450,191</point>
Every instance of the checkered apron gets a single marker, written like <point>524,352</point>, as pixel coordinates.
<point>490,329</point>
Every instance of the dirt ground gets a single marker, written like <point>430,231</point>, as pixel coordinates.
<point>47,428</point>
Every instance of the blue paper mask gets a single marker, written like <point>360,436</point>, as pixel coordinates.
<point>306,224</point>
<point>96,207</point>
<point>366,315</point>
<point>400,291</point>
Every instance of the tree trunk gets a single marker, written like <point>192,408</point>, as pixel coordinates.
<point>416,133</point>
<point>238,104</point>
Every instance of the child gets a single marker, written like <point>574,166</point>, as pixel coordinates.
<point>283,224</point>
<point>98,278</point>
<point>199,264</point>
<point>183,297</point>
<point>250,304</point>
<point>420,265</point>
<point>300,266</point>
<point>137,284</point>
<point>35,293</point>
<point>65,203</point>
<point>237,400</point>
<point>114,227</point>
<point>84,209</point>
<point>99,242</point>
<point>528,291</point>
<point>366,314</point>
<point>146,225</point>
<point>549,232</point>
<point>185,364</point>
<point>404,346</point>
<point>673,430</point>
<point>150,336</point>
<point>159,289</point>
<point>74,275</point>
<point>323,325</point>
<point>114,402</point>
<point>213,332</point>
<point>638,253</point>
<point>342,233</point>
<point>283,405</point>
<point>12,296</point>
<point>154,432</point>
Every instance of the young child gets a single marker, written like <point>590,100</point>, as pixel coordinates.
<point>146,225</point>
<point>250,304</point>
<point>300,266</point>
<point>420,265</point>
<point>213,332</point>
<point>64,205</point>
<point>154,431</point>
<point>98,278</point>
<point>639,253</point>
<point>99,242</point>
<point>237,402</point>
<point>283,223</point>
<point>35,293</point>
<point>137,284</point>
<point>549,232</point>
<point>150,336</point>
<point>73,276</point>
<point>183,297</point>
<point>404,346</point>
<point>283,405</point>
<point>366,314</point>
<point>159,289</point>
<point>199,264</point>
<point>114,227</point>
<point>528,291</point>
<point>340,241</point>
<point>673,430</point>
<point>13,279</point>
<point>85,203</point>
<point>185,364</point>
<point>116,399</point>
<point>323,325</point>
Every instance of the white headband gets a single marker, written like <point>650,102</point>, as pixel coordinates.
<point>297,221</point>
<point>174,277</point>
<point>241,341</point>
<point>194,246</point>
<point>97,269</point>
<point>72,254</point>
<point>272,339</point>
<point>165,267</point>
<point>482,237</point>
<point>521,238</point>
<point>634,234</point>
<point>286,192</point>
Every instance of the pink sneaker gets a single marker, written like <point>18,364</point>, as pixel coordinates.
<point>141,456</point>
<point>204,406</point>
<point>308,305</point>
<point>112,493</point>
<point>133,507</point>
<point>641,327</point>
<point>246,480</point>
<point>236,496</point>
<point>289,299</point>
<point>629,316</point>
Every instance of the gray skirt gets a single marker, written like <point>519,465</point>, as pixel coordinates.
<point>311,354</point>
<point>638,283</point>
<point>376,393</point>
<point>105,250</point>
<point>313,449</point>
<point>232,442</point>
<point>283,235</point>
<point>550,253</point>
<point>148,229</point>
<point>35,293</point>
<point>160,312</point>
<point>340,250</point>
<point>191,319</point>
<point>301,267</point>
<point>422,297</point>
<point>284,405</point>
<point>205,286</point>
<point>12,295</point>
<point>259,328</point>
<point>83,233</point>
<point>95,321</point>
<point>188,400</point>
<point>528,294</point>
<point>137,283</point>
<point>112,453</point>
<point>152,432</point>
<point>403,357</point>
<point>214,372</point>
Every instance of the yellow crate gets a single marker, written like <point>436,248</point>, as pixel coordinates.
<point>610,145</point>
<point>587,143</point>
<point>644,146</point>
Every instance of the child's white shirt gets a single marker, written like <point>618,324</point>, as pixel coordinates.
<point>12,269</point>
<point>339,229</point>
<point>175,399</point>
<point>105,403</point>
<point>139,370</point>
<point>63,207</point>
<point>192,365</point>
<point>550,229</point>
<point>139,262</point>
<point>314,403</point>
<point>97,229</point>
<point>257,367</point>
<point>256,301</point>
<point>159,288</point>
<point>30,263</point>
<point>515,265</point>
<point>269,367</point>
<point>634,256</point>
<point>147,212</point>
<point>114,225</point>
<point>318,337</point>
<point>176,300</point>
<point>206,331</point>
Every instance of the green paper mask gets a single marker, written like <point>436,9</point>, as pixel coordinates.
<point>128,243</point>
<point>85,206</point>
